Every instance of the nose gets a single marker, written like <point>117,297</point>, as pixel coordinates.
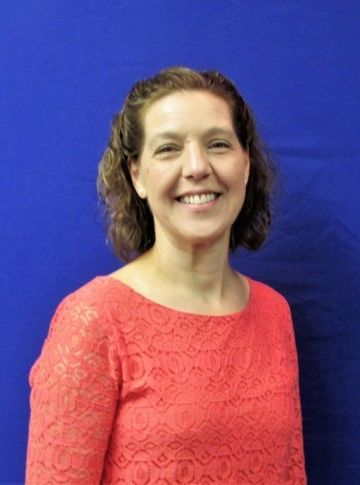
<point>196,164</point>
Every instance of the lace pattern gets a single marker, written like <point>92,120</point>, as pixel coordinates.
<point>129,391</point>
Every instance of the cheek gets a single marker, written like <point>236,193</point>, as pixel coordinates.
<point>161,179</point>
<point>156,170</point>
<point>233,175</point>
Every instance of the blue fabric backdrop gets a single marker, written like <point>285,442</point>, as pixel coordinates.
<point>65,68</point>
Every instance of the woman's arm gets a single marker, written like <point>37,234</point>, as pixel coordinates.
<point>75,388</point>
<point>296,473</point>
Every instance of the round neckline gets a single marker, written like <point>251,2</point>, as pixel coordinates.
<point>144,298</point>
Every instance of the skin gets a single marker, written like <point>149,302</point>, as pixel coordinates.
<point>187,268</point>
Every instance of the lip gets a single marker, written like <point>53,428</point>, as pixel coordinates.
<point>201,207</point>
<point>198,192</point>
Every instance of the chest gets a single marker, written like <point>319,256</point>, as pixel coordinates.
<point>189,382</point>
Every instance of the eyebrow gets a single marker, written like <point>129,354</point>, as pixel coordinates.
<point>213,131</point>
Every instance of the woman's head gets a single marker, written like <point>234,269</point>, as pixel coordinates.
<point>129,219</point>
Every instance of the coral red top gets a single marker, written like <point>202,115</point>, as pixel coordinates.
<point>129,391</point>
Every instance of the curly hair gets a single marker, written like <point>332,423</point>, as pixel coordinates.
<point>129,222</point>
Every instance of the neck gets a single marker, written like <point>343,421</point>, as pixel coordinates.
<point>201,271</point>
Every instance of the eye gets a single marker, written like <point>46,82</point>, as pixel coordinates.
<point>166,149</point>
<point>219,145</point>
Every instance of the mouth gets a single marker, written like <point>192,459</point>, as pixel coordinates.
<point>198,199</point>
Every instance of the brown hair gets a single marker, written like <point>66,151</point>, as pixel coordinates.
<point>130,224</point>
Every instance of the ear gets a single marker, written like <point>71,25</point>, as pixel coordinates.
<point>247,167</point>
<point>134,170</point>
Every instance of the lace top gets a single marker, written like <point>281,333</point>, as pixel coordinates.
<point>129,391</point>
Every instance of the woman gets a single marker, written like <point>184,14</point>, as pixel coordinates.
<point>175,368</point>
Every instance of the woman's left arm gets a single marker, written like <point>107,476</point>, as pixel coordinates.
<point>296,473</point>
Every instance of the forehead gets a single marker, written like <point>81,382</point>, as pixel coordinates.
<point>185,111</point>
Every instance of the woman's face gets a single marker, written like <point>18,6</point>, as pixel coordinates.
<point>192,169</point>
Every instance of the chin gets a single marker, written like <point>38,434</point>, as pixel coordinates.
<point>205,238</point>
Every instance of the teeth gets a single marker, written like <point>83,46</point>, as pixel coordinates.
<point>198,199</point>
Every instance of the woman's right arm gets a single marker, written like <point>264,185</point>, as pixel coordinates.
<point>74,395</point>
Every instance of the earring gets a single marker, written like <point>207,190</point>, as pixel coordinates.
<point>141,193</point>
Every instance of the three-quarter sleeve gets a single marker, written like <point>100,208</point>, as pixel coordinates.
<point>75,387</point>
<point>296,473</point>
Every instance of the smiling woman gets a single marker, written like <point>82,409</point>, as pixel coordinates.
<point>193,177</point>
<point>175,368</point>
<point>130,221</point>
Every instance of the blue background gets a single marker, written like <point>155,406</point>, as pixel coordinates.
<point>65,69</point>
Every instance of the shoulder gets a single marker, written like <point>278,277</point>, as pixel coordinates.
<point>273,308</point>
<point>89,312</point>
<point>273,314</point>
<point>89,296</point>
<point>80,347</point>
<point>266,299</point>
<point>96,297</point>
<point>267,293</point>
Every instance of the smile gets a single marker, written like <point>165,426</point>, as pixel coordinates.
<point>198,199</point>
